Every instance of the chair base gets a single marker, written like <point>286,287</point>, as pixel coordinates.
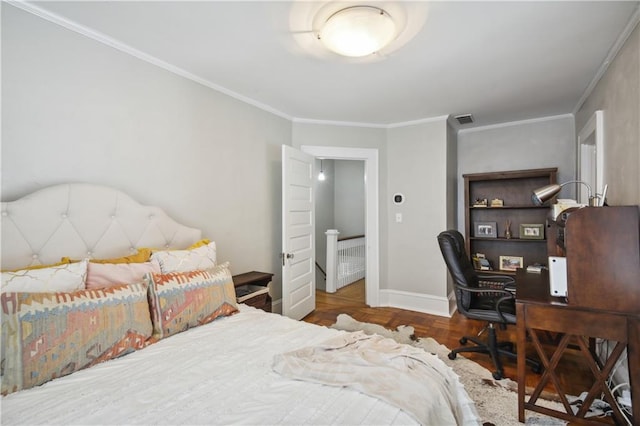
<point>495,349</point>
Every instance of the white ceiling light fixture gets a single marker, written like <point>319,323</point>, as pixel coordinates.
<point>321,175</point>
<point>358,31</point>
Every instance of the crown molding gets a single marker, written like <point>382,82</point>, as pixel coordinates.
<point>613,52</point>
<point>515,123</point>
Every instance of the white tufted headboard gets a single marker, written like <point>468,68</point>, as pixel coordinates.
<point>83,220</point>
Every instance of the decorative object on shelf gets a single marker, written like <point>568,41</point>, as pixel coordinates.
<point>507,230</point>
<point>480,202</point>
<point>532,231</point>
<point>511,263</point>
<point>485,229</point>
<point>535,268</point>
<point>481,263</point>
<point>497,202</point>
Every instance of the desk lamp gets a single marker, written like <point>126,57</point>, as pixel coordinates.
<point>547,192</point>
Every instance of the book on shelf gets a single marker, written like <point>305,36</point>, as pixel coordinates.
<point>247,292</point>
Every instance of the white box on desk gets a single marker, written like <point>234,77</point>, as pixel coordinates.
<point>558,276</point>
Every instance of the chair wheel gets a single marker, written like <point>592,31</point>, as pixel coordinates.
<point>452,355</point>
<point>463,340</point>
<point>537,369</point>
<point>497,375</point>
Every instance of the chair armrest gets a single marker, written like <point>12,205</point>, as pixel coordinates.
<point>497,291</point>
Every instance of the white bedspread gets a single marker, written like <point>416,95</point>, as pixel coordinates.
<point>423,385</point>
<point>219,373</point>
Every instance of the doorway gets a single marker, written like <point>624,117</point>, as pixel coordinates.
<point>370,158</point>
<point>591,157</point>
<point>340,207</point>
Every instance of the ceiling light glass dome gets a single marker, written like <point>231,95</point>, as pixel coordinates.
<point>358,31</point>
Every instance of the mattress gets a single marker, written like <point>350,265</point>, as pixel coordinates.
<point>218,373</point>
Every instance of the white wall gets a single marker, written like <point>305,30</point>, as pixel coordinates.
<point>618,95</point>
<point>532,144</point>
<point>76,110</point>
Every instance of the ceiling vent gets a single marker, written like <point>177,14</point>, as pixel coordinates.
<point>464,118</point>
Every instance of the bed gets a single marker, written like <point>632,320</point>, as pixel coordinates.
<point>160,339</point>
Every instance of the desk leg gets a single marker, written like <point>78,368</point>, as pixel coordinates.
<point>633,357</point>
<point>521,345</point>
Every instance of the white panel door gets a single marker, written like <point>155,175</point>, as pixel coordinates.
<point>298,228</point>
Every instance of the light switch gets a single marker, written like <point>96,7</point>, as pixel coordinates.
<point>398,217</point>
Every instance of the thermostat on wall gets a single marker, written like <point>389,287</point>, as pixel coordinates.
<point>398,198</point>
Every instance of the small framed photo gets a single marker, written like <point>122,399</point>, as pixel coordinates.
<point>485,229</point>
<point>510,263</point>
<point>532,231</point>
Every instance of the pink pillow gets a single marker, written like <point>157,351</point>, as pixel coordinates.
<point>103,275</point>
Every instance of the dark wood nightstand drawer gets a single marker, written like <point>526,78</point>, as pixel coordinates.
<point>251,289</point>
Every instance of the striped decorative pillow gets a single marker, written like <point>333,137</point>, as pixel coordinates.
<point>49,335</point>
<point>181,300</point>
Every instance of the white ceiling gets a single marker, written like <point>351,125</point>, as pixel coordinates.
<point>500,61</point>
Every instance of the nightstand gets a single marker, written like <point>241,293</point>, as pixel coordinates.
<point>252,289</point>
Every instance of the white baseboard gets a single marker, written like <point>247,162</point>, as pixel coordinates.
<point>276,306</point>
<point>428,304</point>
<point>419,302</point>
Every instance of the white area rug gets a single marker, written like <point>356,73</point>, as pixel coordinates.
<point>496,400</point>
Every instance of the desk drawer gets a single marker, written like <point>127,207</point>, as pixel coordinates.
<point>560,319</point>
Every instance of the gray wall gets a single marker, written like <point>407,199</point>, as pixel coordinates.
<point>618,95</point>
<point>324,216</point>
<point>74,110</point>
<point>417,168</point>
<point>349,192</point>
<point>532,144</point>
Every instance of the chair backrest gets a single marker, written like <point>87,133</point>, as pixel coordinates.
<point>455,256</point>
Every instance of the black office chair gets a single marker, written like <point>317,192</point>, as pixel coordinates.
<point>494,302</point>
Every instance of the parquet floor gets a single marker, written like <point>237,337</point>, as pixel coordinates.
<point>575,376</point>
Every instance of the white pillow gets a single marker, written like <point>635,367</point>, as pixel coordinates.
<point>55,279</point>
<point>200,258</point>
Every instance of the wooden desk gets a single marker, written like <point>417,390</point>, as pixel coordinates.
<point>537,312</point>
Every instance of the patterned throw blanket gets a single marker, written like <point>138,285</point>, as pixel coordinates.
<point>407,377</point>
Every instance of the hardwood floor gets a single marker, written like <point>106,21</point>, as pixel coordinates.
<point>575,376</point>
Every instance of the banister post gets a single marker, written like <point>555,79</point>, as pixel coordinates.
<point>332,259</point>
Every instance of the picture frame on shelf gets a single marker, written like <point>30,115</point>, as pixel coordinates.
<point>497,202</point>
<point>485,229</point>
<point>532,231</point>
<point>511,263</point>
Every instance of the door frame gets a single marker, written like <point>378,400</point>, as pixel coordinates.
<point>372,227</point>
<point>590,162</point>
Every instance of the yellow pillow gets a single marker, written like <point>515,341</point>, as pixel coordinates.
<point>200,243</point>
<point>64,261</point>
<point>195,245</point>
<point>141,256</point>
